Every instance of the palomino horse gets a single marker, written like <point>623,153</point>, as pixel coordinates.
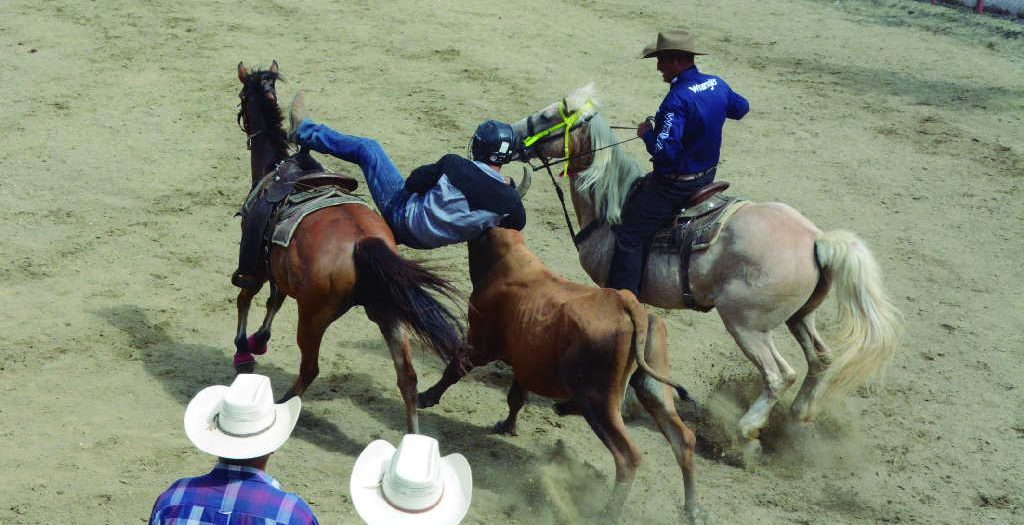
<point>770,265</point>
<point>339,257</point>
<point>569,341</point>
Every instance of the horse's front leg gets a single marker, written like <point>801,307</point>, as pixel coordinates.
<point>257,342</point>
<point>401,354</point>
<point>244,362</point>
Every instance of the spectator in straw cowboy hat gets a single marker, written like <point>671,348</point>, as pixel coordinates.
<point>410,485</point>
<point>684,139</point>
<point>241,425</point>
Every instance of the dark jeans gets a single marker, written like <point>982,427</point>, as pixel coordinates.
<point>655,202</point>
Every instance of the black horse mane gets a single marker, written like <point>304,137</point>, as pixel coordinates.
<point>273,117</point>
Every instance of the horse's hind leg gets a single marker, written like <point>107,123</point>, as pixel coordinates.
<point>516,399</point>
<point>401,354</point>
<point>817,354</point>
<point>313,322</point>
<point>656,398</point>
<point>257,342</point>
<point>244,362</point>
<point>778,376</point>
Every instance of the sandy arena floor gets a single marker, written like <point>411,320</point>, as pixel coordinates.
<point>124,166</point>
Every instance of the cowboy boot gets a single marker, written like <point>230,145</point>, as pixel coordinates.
<point>296,114</point>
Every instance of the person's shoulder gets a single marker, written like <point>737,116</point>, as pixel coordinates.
<point>302,513</point>
<point>163,500</point>
<point>451,159</point>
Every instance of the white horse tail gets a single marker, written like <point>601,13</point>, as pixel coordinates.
<point>870,325</point>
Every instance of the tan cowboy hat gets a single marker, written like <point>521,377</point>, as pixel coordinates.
<point>240,421</point>
<point>673,40</point>
<point>410,485</point>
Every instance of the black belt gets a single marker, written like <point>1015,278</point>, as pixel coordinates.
<point>689,176</point>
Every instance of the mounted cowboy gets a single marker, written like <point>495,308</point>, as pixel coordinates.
<point>684,139</point>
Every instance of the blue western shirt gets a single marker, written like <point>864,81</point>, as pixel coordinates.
<point>687,133</point>
<point>230,495</point>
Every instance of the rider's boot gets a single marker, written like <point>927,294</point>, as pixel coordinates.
<point>296,114</point>
<point>626,270</point>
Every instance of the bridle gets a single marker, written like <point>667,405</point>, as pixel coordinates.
<point>268,89</point>
<point>570,121</point>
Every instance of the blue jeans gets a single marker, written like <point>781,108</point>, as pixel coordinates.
<point>386,184</point>
<point>653,204</point>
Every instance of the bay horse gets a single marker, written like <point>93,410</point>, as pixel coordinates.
<point>568,341</point>
<point>770,265</point>
<point>339,257</point>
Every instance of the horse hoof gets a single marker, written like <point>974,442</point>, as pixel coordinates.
<point>502,427</point>
<point>752,454</point>
<point>697,516</point>
<point>256,347</point>
<point>244,363</point>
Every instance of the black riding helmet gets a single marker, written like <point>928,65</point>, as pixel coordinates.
<point>494,143</point>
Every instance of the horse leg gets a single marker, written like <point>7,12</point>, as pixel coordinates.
<point>401,354</point>
<point>656,398</point>
<point>244,362</point>
<point>452,374</point>
<point>309,336</point>
<point>817,354</point>
<point>516,399</point>
<point>758,347</point>
<point>257,342</point>
<point>606,421</point>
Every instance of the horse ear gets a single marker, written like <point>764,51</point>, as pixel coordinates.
<point>243,72</point>
<point>273,67</point>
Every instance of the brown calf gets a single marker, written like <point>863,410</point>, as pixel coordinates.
<point>573,342</point>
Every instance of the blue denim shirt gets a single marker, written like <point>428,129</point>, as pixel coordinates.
<point>687,133</point>
<point>441,216</point>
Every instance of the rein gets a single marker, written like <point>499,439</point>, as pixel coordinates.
<point>248,136</point>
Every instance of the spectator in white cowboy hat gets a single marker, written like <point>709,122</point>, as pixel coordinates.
<point>410,485</point>
<point>242,426</point>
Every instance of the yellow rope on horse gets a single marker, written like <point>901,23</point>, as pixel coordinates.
<point>567,123</point>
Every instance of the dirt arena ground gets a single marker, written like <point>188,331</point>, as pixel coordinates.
<point>123,167</point>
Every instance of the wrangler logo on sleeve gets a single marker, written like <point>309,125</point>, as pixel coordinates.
<point>666,127</point>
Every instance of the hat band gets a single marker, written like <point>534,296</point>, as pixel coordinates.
<point>216,421</point>
<point>411,511</point>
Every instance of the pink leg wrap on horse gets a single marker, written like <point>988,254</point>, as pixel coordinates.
<point>255,348</point>
<point>243,359</point>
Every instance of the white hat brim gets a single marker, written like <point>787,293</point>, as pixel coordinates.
<point>368,495</point>
<point>207,437</point>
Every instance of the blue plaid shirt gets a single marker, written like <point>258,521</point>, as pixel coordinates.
<point>230,495</point>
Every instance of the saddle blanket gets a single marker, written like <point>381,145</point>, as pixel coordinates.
<point>300,204</point>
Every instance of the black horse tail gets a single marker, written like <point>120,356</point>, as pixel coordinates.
<point>395,289</point>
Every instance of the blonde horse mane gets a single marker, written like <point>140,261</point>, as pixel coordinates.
<point>606,183</point>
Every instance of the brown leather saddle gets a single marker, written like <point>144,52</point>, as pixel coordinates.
<point>264,204</point>
<point>698,220</point>
<point>695,228</point>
